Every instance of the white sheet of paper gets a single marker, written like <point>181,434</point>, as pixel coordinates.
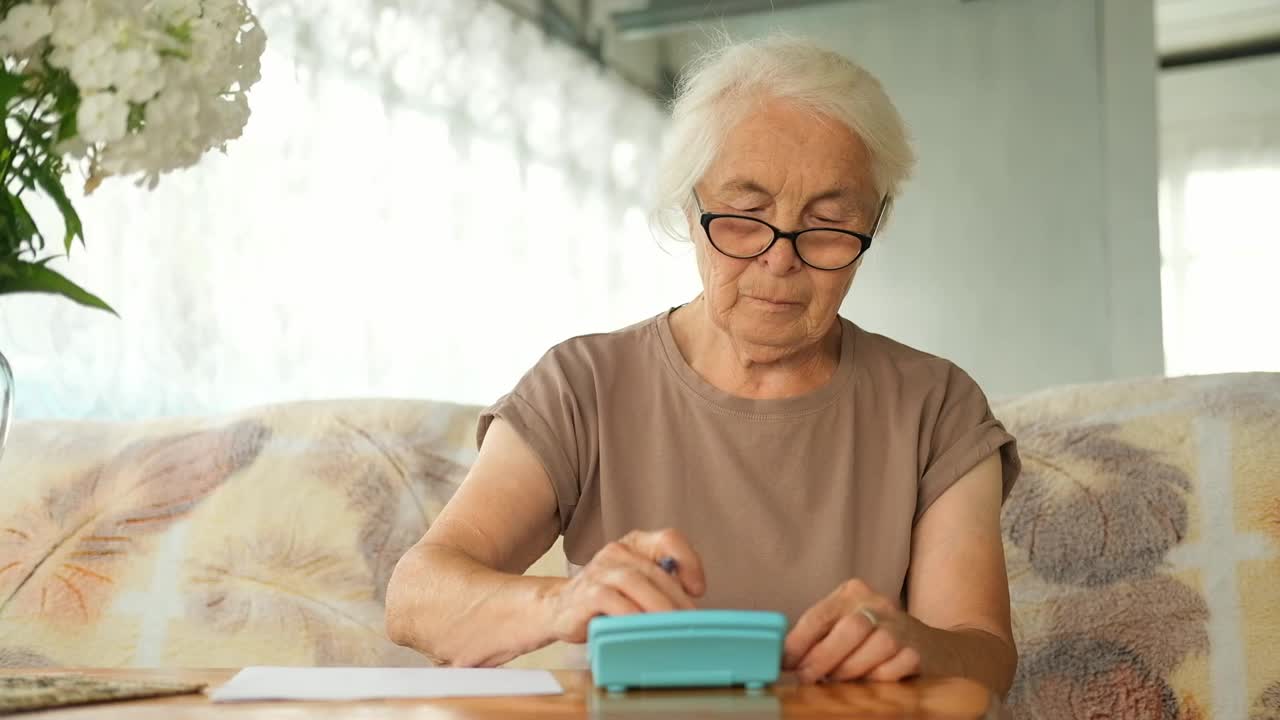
<point>335,683</point>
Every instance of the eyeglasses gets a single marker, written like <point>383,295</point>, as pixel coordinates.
<point>742,237</point>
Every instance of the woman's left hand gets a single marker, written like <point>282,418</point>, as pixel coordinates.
<point>853,633</point>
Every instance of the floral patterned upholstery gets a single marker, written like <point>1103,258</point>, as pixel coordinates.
<point>1143,541</point>
<point>1143,546</point>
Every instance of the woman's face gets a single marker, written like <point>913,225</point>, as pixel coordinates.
<point>794,170</point>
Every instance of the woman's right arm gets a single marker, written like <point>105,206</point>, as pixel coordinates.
<point>458,595</point>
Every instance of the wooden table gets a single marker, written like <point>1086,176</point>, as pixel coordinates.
<point>787,699</point>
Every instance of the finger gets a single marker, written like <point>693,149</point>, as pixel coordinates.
<point>901,666</point>
<point>672,543</point>
<point>639,588</point>
<point>812,626</point>
<point>846,636</point>
<point>605,600</point>
<point>621,555</point>
<point>877,649</point>
<point>598,600</point>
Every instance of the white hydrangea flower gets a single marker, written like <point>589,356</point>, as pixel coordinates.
<point>186,64</point>
<point>136,75</point>
<point>77,148</point>
<point>177,12</point>
<point>74,21</point>
<point>103,117</point>
<point>253,44</point>
<point>91,64</point>
<point>227,13</point>
<point>60,56</point>
<point>175,105</point>
<point>24,26</point>
<point>230,117</point>
<point>124,157</point>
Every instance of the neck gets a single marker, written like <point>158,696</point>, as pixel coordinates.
<point>748,370</point>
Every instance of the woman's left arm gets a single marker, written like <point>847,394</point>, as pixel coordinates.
<point>957,617</point>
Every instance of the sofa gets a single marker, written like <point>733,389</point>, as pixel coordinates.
<point>1142,541</point>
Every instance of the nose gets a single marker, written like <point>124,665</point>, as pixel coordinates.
<point>782,259</point>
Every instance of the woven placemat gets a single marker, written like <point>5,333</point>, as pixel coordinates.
<point>20,693</point>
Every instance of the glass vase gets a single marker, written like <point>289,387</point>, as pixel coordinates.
<point>6,401</point>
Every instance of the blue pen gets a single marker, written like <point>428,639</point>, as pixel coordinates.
<point>668,564</point>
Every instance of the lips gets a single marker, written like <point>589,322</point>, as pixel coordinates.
<point>773,301</point>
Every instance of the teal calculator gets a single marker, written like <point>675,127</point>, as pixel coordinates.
<point>687,648</point>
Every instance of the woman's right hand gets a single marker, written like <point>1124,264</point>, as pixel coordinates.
<point>624,578</point>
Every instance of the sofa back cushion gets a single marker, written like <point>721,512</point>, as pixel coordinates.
<point>1143,541</point>
<point>1143,547</point>
<point>261,538</point>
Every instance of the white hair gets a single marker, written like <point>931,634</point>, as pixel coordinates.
<point>717,90</point>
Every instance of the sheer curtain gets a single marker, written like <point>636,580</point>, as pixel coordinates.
<point>1220,244</point>
<point>428,196</point>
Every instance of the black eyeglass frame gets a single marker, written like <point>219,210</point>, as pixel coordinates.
<point>707,217</point>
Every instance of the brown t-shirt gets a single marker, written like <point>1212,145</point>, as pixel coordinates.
<point>783,499</point>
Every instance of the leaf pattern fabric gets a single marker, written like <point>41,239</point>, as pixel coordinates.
<point>58,558</point>
<point>1115,539</point>
<point>264,538</point>
<point>269,538</point>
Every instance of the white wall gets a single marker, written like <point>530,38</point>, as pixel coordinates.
<point>1026,248</point>
<point>1183,25</point>
<point>1218,99</point>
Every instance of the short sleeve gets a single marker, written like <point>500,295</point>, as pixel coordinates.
<point>546,410</point>
<point>962,433</point>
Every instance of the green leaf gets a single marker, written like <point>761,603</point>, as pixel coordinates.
<point>181,33</point>
<point>68,127</point>
<point>10,86</point>
<point>18,231</point>
<point>35,277</point>
<point>66,101</point>
<point>52,186</point>
<point>137,116</point>
<point>24,223</point>
<point>10,233</point>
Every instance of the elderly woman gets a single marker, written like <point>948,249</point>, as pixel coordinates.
<point>786,458</point>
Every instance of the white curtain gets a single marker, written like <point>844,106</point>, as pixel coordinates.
<point>1220,245</point>
<point>428,196</point>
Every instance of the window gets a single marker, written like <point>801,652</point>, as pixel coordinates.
<point>1221,270</point>
<point>1220,217</point>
